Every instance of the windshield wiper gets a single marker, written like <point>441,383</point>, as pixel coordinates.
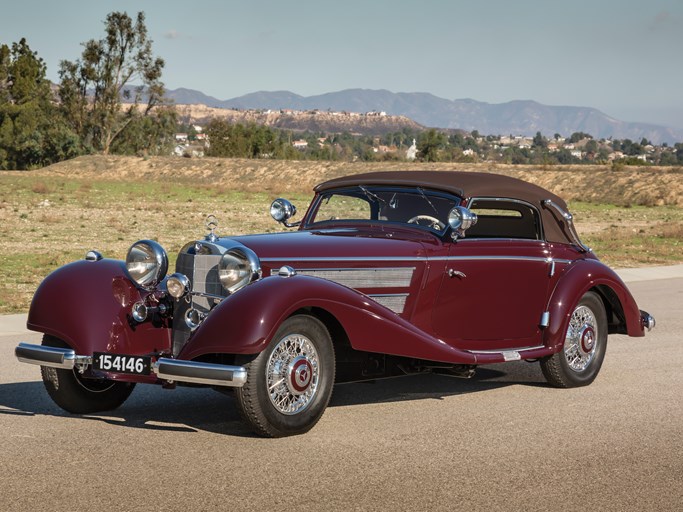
<point>371,195</point>
<point>419,189</point>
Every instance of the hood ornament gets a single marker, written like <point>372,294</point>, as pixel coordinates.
<point>211,225</point>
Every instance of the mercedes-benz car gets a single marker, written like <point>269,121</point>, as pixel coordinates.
<point>386,274</point>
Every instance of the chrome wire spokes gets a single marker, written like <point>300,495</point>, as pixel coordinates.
<point>292,374</point>
<point>581,340</point>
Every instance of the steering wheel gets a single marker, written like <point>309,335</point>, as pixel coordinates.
<point>427,220</point>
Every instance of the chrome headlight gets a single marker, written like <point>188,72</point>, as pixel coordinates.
<point>178,285</point>
<point>461,219</point>
<point>281,210</point>
<point>147,263</point>
<point>238,267</point>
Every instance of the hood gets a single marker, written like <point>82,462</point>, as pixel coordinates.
<point>338,243</point>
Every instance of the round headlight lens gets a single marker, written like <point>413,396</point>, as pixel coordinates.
<point>147,263</point>
<point>281,210</point>
<point>237,268</point>
<point>178,285</point>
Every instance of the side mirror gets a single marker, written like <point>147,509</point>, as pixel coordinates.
<point>282,210</point>
<point>460,219</point>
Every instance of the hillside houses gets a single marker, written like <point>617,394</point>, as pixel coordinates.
<point>352,135</point>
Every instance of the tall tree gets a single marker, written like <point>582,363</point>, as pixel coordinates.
<point>430,143</point>
<point>118,67</point>
<point>32,133</point>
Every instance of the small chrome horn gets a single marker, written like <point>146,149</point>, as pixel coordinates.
<point>193,318</point>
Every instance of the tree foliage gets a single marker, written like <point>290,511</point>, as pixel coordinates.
<point>430,144</point>
<point>32,133</point>
<point>119,67</point>
<point>247,141</point>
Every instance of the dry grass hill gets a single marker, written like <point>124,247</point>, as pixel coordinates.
<point>593,184</point>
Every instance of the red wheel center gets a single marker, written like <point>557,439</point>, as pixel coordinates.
<point>300,375</point>
<point>587,339</point>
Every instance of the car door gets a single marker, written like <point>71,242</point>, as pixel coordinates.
<point>496,280</point>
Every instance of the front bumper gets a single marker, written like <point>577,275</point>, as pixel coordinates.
<point>165,368</point>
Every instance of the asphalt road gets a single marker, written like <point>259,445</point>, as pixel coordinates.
<point>501,441</point>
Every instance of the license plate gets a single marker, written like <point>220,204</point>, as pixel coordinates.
<point>120,363</point>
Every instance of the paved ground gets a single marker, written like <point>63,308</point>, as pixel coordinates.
<point>502,441</point>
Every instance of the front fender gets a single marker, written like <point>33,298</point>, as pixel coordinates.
<point>245,322</point>
<point>87,305</point>
<point>583,276</point>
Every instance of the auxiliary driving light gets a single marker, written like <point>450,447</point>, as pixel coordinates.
<point>178,285</point>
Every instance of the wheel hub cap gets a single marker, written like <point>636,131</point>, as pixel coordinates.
<point>587,339</point>
<point>581,340</point>
<point>300,375</point>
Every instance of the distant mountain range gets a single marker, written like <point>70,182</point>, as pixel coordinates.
<point>520,117</point>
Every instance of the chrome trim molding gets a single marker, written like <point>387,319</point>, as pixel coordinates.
<point>569,219</point>
<point>348,258</point>
<point>411,258</point>
<point>200,373</point>
<point>503,239</point>
<point>494,258</point>
<point>506,350</point>
<point>545,319</point>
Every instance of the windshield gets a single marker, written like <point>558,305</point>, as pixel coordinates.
<point>367,203</point>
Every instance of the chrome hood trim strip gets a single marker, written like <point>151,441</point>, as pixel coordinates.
<point>397,277</point>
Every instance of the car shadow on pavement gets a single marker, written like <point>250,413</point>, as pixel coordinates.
<point>193,410</point>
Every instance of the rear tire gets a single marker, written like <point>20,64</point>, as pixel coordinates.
<point>290,383</point>
<point>579,360</point>
<point>78,395</point>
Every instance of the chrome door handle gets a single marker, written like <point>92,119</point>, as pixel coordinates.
<point>456,273</point>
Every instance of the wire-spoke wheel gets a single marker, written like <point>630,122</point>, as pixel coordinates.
<point>292,374</point>
<point>289,384</point>
<point>76,394</point>
<point>580,359</point>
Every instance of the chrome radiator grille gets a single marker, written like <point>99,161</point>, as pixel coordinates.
<point>202,270</point>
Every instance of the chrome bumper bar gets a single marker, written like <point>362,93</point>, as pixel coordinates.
<point>200,373</point>
<point>164,368</point>
<point>55,357</point>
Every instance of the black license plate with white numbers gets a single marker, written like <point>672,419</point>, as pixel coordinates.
<point>120,363</point>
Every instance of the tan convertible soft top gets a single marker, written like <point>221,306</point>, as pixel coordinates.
<point>470,185</point>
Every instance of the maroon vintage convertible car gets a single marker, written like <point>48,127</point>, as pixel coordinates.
<point>388,273</point>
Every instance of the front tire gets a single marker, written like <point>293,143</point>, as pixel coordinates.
<point>580,359</point>
<point>78,395</point>
<point>290,383</point>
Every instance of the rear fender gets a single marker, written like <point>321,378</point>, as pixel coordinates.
<point>583,276</point>
<point>245,322</point>
<point>87,304</point>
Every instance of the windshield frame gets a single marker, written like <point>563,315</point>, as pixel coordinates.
<point>367,192</point>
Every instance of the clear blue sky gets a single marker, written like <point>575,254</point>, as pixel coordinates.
<point>623,57</point>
